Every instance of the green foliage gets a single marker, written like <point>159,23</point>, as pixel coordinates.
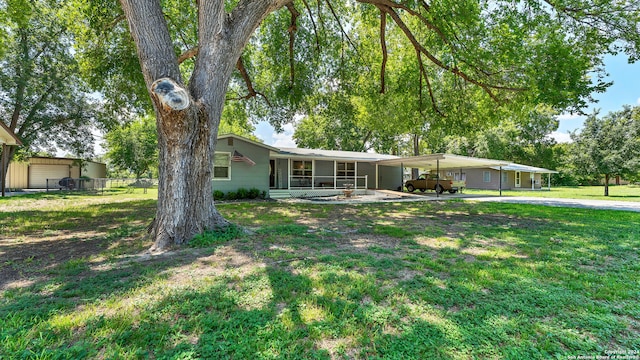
<point>216,236</point>
<point>608,146</point>
<point>218,195</point>
<point>239,194</point>
<point>44,100</point>
<point>133,147</point>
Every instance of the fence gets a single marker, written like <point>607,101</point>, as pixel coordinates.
<point>85,184</point>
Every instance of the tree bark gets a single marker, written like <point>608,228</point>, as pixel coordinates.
<point>188,119</point>
<point>606,184</point>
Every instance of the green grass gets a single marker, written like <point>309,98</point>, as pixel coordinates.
<point>617,193</point>
<point>427,280</point>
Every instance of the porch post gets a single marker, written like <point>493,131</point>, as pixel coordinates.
<point>377,177</point>
<point>438,178</point>
<point>4,176</point>
<point>289,172</point>
<point>401,177</point>
<point>549,181</point>
<point>500,184</point>
<point>313,174</point>
<point>355,175</point>
<point>335,174</point>
<point>532,176</point>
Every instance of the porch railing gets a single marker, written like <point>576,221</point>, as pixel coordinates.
<point>328,182</point>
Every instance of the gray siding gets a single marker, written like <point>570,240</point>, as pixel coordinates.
<point>390,177</point>
<point>368,170</point>
<point>244,175</point>
<point>475,180</point>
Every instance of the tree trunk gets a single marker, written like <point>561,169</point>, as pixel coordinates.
<point>606,184</point>
<point>185,194</point>
<point>188,120</point>
<point>416,152</point>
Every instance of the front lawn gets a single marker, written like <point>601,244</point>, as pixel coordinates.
<point>420,280</point>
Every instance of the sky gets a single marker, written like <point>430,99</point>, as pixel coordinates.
<point>624,91</point>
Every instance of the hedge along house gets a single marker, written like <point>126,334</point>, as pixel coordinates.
<point>295,172</point>
<point>7,138</point>
<point>45,172</point>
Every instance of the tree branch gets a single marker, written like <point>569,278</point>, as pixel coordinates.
<point>418,47</point>
<point>150,32</point>
<point>293,27</point>
<point>191,53</point>
<point>423,74</point>
<point>344,33</point>
<point>383,45</point>
<point>247,80</point>
<point>313,23</point>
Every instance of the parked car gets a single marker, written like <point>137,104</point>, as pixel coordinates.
<point>430,182</point>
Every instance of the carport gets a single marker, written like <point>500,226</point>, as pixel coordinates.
<point>444,162</point>
<point>7,138</point>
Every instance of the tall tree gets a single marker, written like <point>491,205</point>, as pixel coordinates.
<point>539,50</point>
<point>133,147</point>
<point>42,99</point>
<point>608,146</point>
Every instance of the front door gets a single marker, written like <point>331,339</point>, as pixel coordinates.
<point>272,174</point>
<point>518,179</point>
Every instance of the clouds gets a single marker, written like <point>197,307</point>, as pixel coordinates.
<point>285,138</point>
<point>561,137</point>
<point>268,134</point>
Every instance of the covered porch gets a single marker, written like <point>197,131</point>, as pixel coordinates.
<point>312,173</point>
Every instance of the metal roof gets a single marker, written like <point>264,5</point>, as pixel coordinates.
<point>330,154</point>
<point>443,161</point>
<point>525,168</point>
<point>7,136</point>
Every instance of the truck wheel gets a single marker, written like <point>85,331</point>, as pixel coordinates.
<point>439,189</point>
<point>453,191</point>
<point>423,190</point>
<point>410,188</point>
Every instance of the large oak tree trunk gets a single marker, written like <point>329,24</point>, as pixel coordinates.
<point>188,119</point>
<point>185,195</point>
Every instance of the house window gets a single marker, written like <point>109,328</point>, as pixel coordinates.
<point>486,176</point>
<point>222,166</point>
<point>504,178</point>
<point>346,169</point>
<point>302,168</point>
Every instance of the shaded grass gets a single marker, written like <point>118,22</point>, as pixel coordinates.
<point>433,280</point>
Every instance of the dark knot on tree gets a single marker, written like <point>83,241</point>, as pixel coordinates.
<point>170,94</point>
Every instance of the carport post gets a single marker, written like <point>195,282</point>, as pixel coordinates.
<point>401,177</point>
<point>437,178</point>
<point>500,186</point>
<point>4,155</point>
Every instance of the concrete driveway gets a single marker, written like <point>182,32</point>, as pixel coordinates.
<point>576,203</point>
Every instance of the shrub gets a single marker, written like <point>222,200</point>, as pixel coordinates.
<point>218,195</point>
<point>242,193</point>
<point>253,193</point>
<point>231,195</point>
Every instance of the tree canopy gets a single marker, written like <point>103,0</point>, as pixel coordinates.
<point>43,100</point>
<point>608,146</point>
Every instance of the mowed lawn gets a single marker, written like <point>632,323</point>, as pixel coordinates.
<point>418,280</point>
